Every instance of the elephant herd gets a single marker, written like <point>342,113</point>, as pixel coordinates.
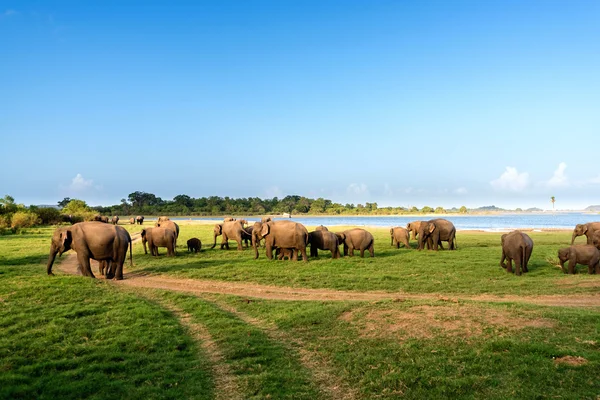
<point>108,243</point>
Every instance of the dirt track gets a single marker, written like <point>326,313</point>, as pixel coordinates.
<point>193,286</point>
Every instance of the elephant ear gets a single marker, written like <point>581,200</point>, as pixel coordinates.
<point>219,228</point>
<point>66,239</point>
<point>264,230</point>
<point>143,233</point>
<point>431,228</point>
<point>585,229</point>
<point>391,231</point>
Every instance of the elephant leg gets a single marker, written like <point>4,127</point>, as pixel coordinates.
<point>345,249</point>
<point>84,261</point>
<point>572,264</point>
<point>509,268</point>
<point>303,251</point>
<point>362,253</point>
<point>372,250</point>
<point>239,244</point>
<point>518,263</point>
<point>313,251</point>
<point>351,251</point>
<point>269,251</point>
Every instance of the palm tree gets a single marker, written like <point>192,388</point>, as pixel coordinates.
<point>552,199</point>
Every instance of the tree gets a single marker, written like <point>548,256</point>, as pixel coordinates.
<point>552,199</point>
<point>440,210</point>
<point>64,202</point>
<point>463,210</point>
<point>8,204</point>
<point>426,210</point>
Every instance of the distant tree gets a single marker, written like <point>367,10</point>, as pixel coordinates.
<point>64,202</point>
<point>552,199</point>
<point>463,210</point>
<point>426,210</point>
<point>440,210</point>
<point>518,209</point>
<point>7,204</point>
<point>414,209</point>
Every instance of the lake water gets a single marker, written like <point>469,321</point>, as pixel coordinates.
<point>497,222</point>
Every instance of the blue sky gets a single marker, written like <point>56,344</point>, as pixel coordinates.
<point>438,103</point>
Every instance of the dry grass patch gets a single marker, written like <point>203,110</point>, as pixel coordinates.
<point>571,360</point>
<point>428,321</point>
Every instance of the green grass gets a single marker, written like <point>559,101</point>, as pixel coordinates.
<point>73,337</point>
<point>472,269</point>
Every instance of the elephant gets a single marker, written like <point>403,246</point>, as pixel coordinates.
<point>194,244</point>
<point>231,230</point>
<point>139,219</point>
<point>132,221</point>
<point>516,246</point>
<point>115,220</point>
<point>227,219</point>
<point>585,229</point>
<point>321,228</point>
<point>95,240</point>
<point>585,254</point>
<point>435,231</point>
<point>247,235</point>
<point>324,240</point>
<point>413,227</point>
<point>104,267</point>
<point>101,218</point>
<point>162,218</point>
<point>280,234</point>
<point>400,235</point>
<point>596,239</point>
<point>167,223</point>
<point>266,219</point>
<point>159,237</point>
<point>356,238</point>
<point>282,253</point>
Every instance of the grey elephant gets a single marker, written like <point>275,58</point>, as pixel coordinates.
<point>101,218</point>
<point>194,245</point>
<point>167,223</point>
<point>114,220</point>
<point>231,230</point>
<point>587,229</point>
<point>400,235</point>
<point>596,239</point>
<point>516,246</point>
<point>139,219</point>
<point>280,234</point>
<point>435,231</point>
<point>92,240</point>
<point>159,237</point>
<point>585,254</point>
<point>132,221</point>
<point>324,240</point>
<point>357,239</point>
<point>414,227</point>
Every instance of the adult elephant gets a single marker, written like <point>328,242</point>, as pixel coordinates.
<point>596,239</point>
<point>587,229</point>
<point>400,235</point>
<point>95,240</point>
<point>115,220</point>
<point>101,218</point>
<point>414,227</point>
<point>167,223</point>
<point>435,231</point>
<point>159,237</point>
<point>139,219</point>
<point>132,221</point>
<point>357,239</point>
<point>324,240</point>
<point>321,228</point>
<point>516,246</point>
<point>231,230</point>
<point>227,219</point>
<point>280,234</point>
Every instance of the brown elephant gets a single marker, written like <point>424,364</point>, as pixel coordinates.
<point>282,253</point>
<point>414,227</point>
<point>596,239</point>
<point>101,218</point>
<point>159,237</point>
<point>95,240</point>
<point>227,219</point>
<point>132,221</point>
<point>139,219</point>
<point>400,235</point>
<point>280,234</point>
<point>435,231</point>
<point>587,229</point>
<point>247,235</point>
<point>324,240</point>
<point>266,219</point>
<point>358,239</point>
<point>321,228</point>
<point>167,223</point>
<point>231,230</point>
<point>516,246</point>
<point>585,254</point>
<point>114,220</point>
<point>194,244</point>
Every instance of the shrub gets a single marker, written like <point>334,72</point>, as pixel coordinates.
<point>4,221</point>
<point>22,219</point>
<point>49,215</point>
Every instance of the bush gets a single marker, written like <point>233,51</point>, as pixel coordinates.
<point>5,221</point>
<point>49,215</point>
<point>22,219</point>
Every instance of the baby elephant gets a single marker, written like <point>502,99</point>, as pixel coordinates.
<point>283,253</point>
<point>585,254</point>
<point>516,246</point>
<point>194,245</point>
<point>400,235</point>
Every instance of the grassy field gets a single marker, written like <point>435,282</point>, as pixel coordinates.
<point>72,337</point>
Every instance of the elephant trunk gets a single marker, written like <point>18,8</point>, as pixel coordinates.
<point>214,242</point>
<point>420,241</point>
<point>255,245</point>
<point>51,259</point>
<point>392,237</point>
<point>573,237</point>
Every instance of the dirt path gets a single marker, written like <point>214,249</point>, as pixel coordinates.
<point>242,289</point>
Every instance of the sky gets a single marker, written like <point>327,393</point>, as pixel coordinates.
<point>404,103</point>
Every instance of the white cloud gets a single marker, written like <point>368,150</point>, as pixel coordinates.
<point>559,179</point>
<point>80,184</point>
<point>461,190</point>
<point>358,189</point>
<point>511,180</point>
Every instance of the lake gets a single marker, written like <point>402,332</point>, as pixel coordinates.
<point>495,222</point>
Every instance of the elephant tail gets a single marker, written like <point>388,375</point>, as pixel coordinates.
<point>130,252</point>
